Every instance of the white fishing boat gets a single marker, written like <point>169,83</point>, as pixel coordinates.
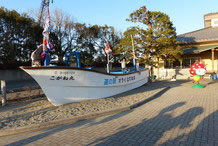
<point>63,85</point>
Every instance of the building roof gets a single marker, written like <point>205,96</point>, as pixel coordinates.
<point>201,35</point>
<point>198,49</point>
<point>211,13</point>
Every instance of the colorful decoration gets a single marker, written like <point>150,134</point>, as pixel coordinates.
<point>108,49</point>
<point>196,78</point>
<point>109,53</point>
<point>47,28</point>
<point>197,70</point>
<point>46,43</point>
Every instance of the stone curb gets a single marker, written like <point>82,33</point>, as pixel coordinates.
<point>61,122</point>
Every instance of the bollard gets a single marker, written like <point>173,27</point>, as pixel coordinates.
<point>3,92</point>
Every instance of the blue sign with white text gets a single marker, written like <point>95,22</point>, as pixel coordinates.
<point>110,81</point>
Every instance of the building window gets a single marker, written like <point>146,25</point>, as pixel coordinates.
<point>187,62</point>
<point>214,22</point>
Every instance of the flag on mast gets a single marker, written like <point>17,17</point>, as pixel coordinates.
<point>108,49</point>
<point>46,30</point>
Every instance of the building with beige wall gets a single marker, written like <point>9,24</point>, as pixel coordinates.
<point>202,44</point>
<point>210,19</point>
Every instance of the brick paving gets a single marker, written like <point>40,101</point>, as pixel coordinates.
<point>180,116</point>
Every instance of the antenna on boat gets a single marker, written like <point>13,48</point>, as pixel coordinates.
<point>134,57</point>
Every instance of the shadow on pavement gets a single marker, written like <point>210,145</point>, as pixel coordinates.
<point>200,136</point>
<point>110,118</point>
<point>212,82</point>
<point>151,130</point>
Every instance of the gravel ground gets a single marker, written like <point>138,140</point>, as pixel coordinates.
<point>40,110</point>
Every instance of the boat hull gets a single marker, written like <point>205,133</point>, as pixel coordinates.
<point>64,85</point>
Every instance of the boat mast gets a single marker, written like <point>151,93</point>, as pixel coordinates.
<point>134,57</point>
<point>108,61</point>
<point>46,32</point>
<point>47,2</point>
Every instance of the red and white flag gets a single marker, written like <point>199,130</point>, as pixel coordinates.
<point>47,26</point>
<point>108,49</point>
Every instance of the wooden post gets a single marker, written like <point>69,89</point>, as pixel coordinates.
<point>3,92</point>
<point>212,60</point>
<point>158,71</point>
<point>180,64</point>
<point>190,61</point>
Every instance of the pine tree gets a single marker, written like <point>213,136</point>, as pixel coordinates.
<point>158,36</point>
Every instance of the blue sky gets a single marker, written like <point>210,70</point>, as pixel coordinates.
<point>186,15</point>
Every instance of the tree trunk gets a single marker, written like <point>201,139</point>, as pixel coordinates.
<point>60,59</point>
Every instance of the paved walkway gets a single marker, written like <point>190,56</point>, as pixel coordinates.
<point>181,116</point>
